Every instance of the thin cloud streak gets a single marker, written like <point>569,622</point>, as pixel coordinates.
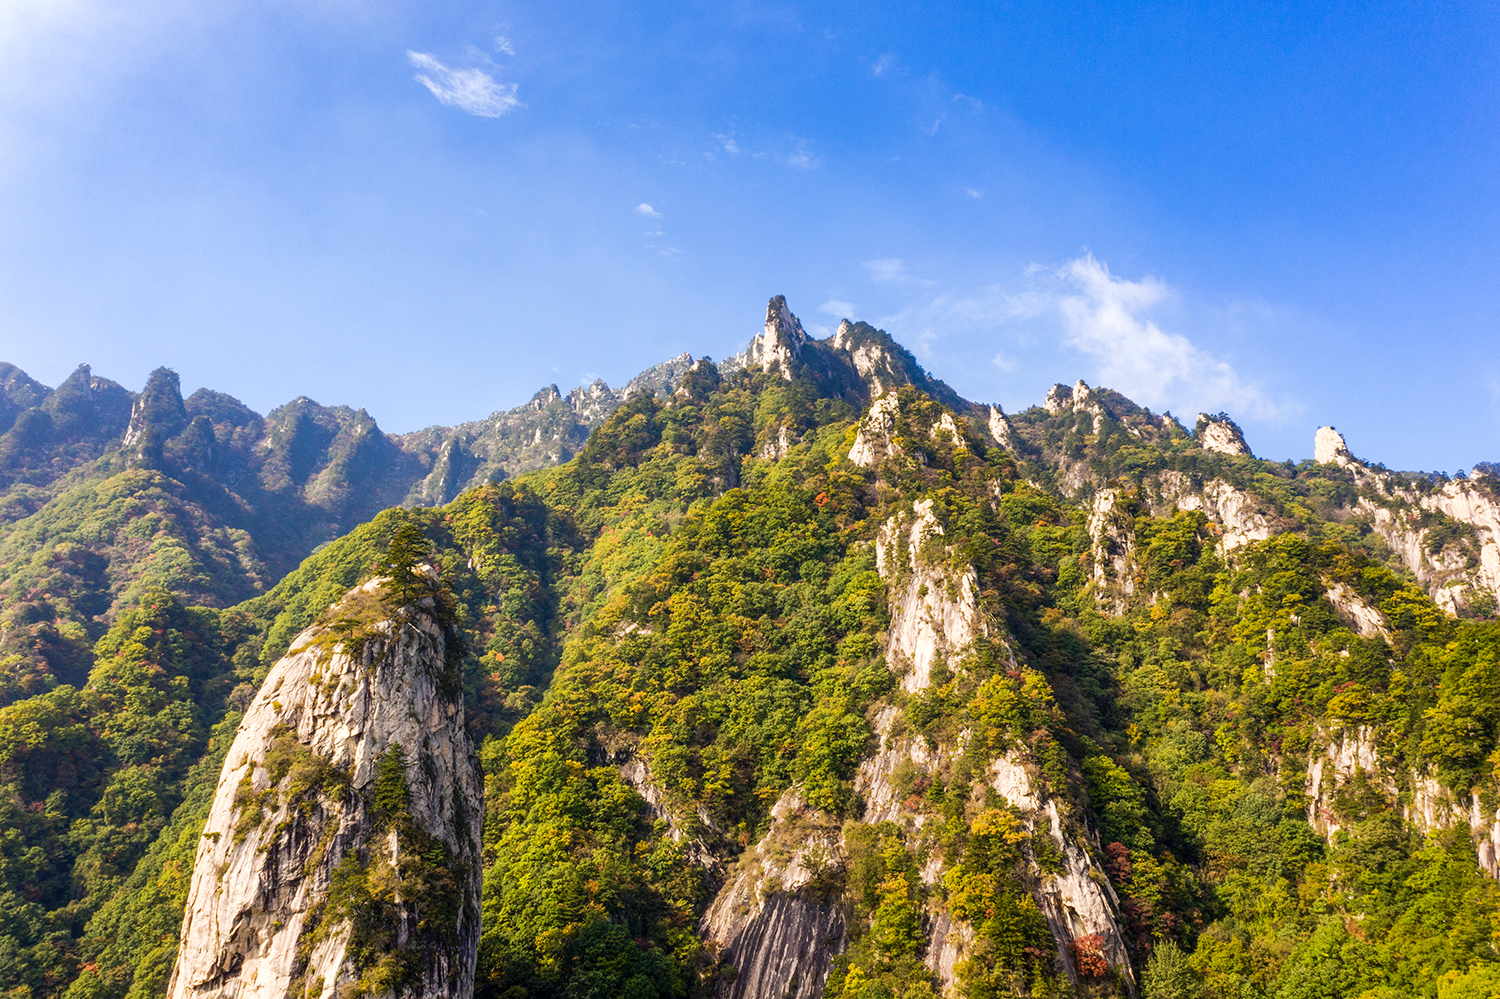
<point>470,90</point>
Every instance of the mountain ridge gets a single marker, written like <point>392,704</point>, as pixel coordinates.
<point>795,679</point>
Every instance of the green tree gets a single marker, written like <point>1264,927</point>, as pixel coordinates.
<point>408,550</point>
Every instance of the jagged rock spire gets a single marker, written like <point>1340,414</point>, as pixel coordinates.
<point>353,766</point>
<point>780,341</point>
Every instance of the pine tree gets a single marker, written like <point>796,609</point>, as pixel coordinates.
<point>408,549</point>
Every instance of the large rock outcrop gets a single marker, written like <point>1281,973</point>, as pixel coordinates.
<point>934,610</point>
<point>778,922</point>
<point>341,856</point>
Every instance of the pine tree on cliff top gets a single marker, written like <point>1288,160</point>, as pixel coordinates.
<point>407,551</point>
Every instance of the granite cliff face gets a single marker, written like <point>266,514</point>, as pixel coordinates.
<point>342,853</point>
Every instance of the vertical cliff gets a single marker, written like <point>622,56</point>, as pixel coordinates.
<point>778,922</point>
<point>341,856</point>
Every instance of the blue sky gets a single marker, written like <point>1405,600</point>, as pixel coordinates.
<point>1289,213</point>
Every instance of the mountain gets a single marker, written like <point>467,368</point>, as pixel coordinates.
<point>803,676</point>
<point>110,494</point>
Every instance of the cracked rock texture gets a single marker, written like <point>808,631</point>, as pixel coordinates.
<point>257,924</point>
<point>778,922</point>
<point>934,610</point>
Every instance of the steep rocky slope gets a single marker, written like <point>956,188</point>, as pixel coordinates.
<point>341,855</point>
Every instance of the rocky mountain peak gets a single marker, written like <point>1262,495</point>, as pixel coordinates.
<point>778,343</point>
<point>1329,449</point>
<point>842,335</point>
<point>545,396</point>
<point>18,391</point>
<point>592,403</point>
<point>158,412</point>
<point>1059,398</point>
<point>1219,433</point>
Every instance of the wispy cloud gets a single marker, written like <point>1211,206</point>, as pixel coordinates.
<point>502,44</point>
<point>834,307</point>
<point>470,90</point>
<point>884,63</point>
<point>801,159</point>
<point>648,211</point>
<point>893,270</point>
<point>971,192</point>
<point>1114,322</point>
<point>1107,318</point>
<point>890,269</point>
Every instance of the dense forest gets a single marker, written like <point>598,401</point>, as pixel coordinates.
<point>681,658</point>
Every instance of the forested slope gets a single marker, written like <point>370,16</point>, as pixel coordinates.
<point>810,678</point>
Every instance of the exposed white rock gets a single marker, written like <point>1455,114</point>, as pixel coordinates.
<point>873,442</point>
<point>779,343</point>
<point>1059,398</point>
<point>1240,516</point>
<point>1221,435</point>
<point>873,781</point>
<point>1085,401</point>
<point>1453,574</point>
<point>1078,900</point>
<point>1366,621</point>
<point>1000,429</point>
<point>945,430</point>
<point>772,922</point>
<point>636,772</point>
<point>1113,545</point>
<point>1329,448</point>
<point>1344,755</point>
<point>1428,804</point>
<point>777,444</point>
<point>934,610</point>
<point>258,890</point>
<point>873,362</point>
<point>948,942</point>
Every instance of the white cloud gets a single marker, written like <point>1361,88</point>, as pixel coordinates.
<point>502,44</point>
<point>470,90</point>
<point>1113,322</point>
<point>971,192</point>
<point>834,307</point>
<point>1106,317</point>
<point>884,63</point>
<point>728,144</point>
<point>648,211</point>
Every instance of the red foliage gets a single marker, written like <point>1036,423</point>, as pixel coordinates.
<point>1088,956</point>
<point>1117,864</point>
